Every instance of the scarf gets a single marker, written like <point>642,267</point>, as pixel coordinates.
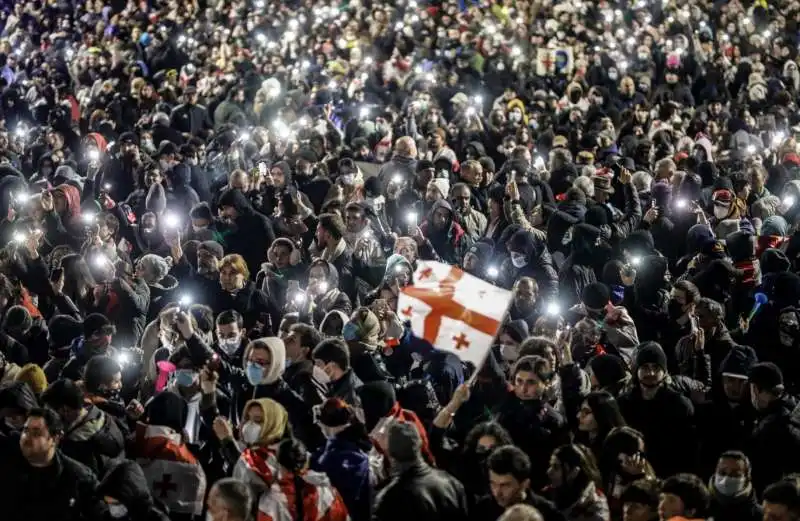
<point>332,255</point>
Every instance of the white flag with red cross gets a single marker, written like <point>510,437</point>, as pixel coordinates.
<point>453,310</point>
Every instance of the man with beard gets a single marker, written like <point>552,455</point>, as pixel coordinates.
<point>201,279</point>
<point>524,304</point>
<point>440,237</point>
<point>474,223</point>
<point>653,408</point>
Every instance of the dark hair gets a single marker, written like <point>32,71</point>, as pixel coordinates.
<point>333,350</point>
<point>713,307</point>
<point>785,492</point>
<point>230,316</point>
<point>203,316</point>
<point>490,428</point>
<point>99,370</point>
<point>537,345</point>
<point>237,496</point>
<point>691,291</point>
<point>51,418</point>
<point>691,490</point>
<point>579,456</point>
<point>643,491</point>
<point>78,279</point>
<point>63,393</point>
<point>293,456</point>
<point>333,224</point>
<point>308,335</point>
<point>534,364</point>
<point>737,455</point>
<point>605,410</point>
<point>510,460</point>
<point>621,440</point>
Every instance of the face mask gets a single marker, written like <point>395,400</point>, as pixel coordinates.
<point>728,486</point>
<point>675,309</point>
<point>251,433</point>
<point>230,345</point>
<point>720,212</point>
<point>164,164</point>
<point>185,377</point>
<point>516,117</point>
<point>255,373</point>
<point>197,229</point>
<point>117,510</point>
<point>613,76</point>
<point>518,260</point>
<point>350,332</point>
<point>112,395</point>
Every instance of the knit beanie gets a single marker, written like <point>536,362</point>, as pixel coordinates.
<point>167,409</point>
<point>766,376</point>
<point>738,362</point>
<point>441,184</point>
<point>275,422</point>
<point>17,319</point>
<point>404,442</point>
<point>201,211</point>
<point>34,376</point>
<point>212,247</point>
<point>155,267</point>
<point>650,353</point>
<point>96,323</point>
<point>363,327</point>
<point>62,330</point>
<point>607,369</point>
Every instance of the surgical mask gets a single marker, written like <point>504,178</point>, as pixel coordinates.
<point>185,377</point>
<point>518,260</point>
<point>350,332</point>
<point>728,486</point>
<point>515,117</point>
<point>255,373</point>
<point>612,75</point>
<point>251,432</point>
<point>230,345</point>
<point>117,510</point>
<point>197,229</point>
<point>720,212</point>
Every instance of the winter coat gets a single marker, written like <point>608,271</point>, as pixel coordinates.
<point>252,234</point>
<point>539,266</point>
<point>774,444</point>
<point>536,428</point>
<point>449,245</point>
<point>304,379</point>
<point>658,420</point>
<point>95,440</point>
<point>65,490</point>
<point>251,303</point>
<point>344,460</point>
<point>421,493</point>
<point>744,507</point>
<point>487,508</point>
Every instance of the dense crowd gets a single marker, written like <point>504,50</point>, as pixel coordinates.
<point>210,209</point>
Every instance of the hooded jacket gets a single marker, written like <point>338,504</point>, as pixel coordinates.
<point>252,234</point>
<point>448,245</point>
<point>94,440</point>
<point>538,265</point>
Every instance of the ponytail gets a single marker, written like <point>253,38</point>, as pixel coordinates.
<point>293,456</point>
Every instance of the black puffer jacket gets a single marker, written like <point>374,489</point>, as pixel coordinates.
<point>65,490</point>
<point>252,234</point>
<point>95,440</point>
<point>422,494</point>
<point>539,265</point>
<point>126,483</point>
<point>774,446</point>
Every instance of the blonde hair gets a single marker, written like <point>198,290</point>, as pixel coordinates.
<point>237,263</point>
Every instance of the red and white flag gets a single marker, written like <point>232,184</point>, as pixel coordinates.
<point>453,310</point>
<point>173,474</point>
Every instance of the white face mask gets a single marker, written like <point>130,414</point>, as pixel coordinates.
<point>729,486</point>
<point>117,510</point>
<point>196,229</point>
<point>518,260</point>
<point>251,432</point>
<point>514,116</point>
<point>230,345</point>
<point>720,212</point>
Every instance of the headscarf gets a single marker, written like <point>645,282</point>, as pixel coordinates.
<point>275,420</point>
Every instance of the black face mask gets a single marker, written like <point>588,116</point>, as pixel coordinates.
<point>112,395</point>
<point>674,309</point>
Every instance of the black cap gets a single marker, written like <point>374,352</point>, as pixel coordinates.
<point>766,376</point>
<point>129,137</point>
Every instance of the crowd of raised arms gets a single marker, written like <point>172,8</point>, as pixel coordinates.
<point>209,210</point>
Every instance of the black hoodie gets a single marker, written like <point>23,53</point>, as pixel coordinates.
<point>252,234</point>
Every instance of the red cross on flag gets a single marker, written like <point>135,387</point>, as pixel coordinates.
<point>453,310</point>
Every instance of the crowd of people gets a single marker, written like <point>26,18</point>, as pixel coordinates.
<point>210,208</point>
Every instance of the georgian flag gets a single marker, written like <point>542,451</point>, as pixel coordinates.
<point>453,310</point>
